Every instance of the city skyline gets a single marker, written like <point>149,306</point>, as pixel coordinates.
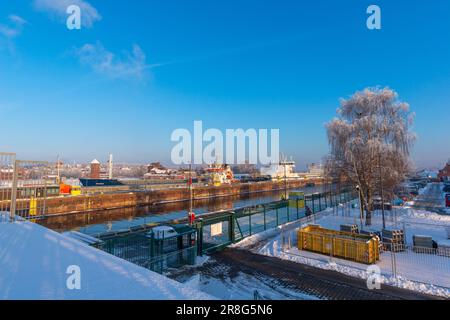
<point>129,78</point>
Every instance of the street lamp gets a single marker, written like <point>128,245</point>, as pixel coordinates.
<point>361,213</point>
<point>381,191</point>
<point>285,183</point>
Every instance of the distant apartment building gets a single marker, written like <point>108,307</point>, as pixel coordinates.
<point>156,170</point>
<point>6,174</point>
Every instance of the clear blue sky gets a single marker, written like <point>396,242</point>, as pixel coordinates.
<point>232,64</point>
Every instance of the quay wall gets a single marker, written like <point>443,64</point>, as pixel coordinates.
<point>96,202</point>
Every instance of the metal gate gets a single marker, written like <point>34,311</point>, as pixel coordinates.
<point>34,184</point>
<point>220,229</point>
<point>24,187</point>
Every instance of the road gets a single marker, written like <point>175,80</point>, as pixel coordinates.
<point>285,279</point>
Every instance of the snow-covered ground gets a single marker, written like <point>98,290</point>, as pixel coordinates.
<point>427,273</point>
<point>34,264</point>
<point>243,287</point>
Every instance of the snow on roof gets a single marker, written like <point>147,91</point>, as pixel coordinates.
<point>34,261</point>
<point>162,228</point>
<point>95,161</point>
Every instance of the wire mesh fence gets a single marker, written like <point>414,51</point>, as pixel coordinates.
<point>25,187</point>
<point>405,261</point>
<point>7,161</point>
<point>34,185</point>
<point>218,231</point>
<point>148,253</point>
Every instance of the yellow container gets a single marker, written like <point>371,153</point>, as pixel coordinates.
<point>33,206</point>
<point>350,246</point>
<point>75,190</point>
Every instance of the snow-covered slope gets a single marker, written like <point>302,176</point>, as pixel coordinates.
<point>34,261</point>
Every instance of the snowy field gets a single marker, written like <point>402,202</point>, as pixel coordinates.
<point>34,263</point>
<point>427,273</point>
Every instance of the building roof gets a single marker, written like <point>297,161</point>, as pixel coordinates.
<point>95,161</point>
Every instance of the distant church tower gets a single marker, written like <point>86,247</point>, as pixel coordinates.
<point>95,169</point>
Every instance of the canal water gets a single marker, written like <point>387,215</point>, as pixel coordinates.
<point>93,223</point>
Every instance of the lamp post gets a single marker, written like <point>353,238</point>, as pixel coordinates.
<point>191,215</point>
<point>361,212</point>
<point>285,182</point>
<point>381,191</point>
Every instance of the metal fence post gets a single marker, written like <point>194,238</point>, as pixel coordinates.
<point>331,249</point>
<point>393,261</point>
<point>232,226</point>
<point>287,209</point>
<point>264,212</point>
<point>200,238</point>
<point>14,190</point>
<point>289,242</point>
<point>313,207</point>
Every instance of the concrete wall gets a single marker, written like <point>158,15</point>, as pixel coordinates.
<point>85,203</point>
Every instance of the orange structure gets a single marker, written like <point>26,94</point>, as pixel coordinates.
<point>64,188</point>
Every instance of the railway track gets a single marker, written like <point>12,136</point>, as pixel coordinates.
<point>289,278</point>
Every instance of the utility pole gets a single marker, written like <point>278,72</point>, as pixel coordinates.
<point>285,182</point>
<point>14,190</point>
<point>361,210</point>
<point>190,214</point>
<point>57,169</point>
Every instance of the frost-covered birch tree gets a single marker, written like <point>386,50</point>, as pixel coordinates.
<point>370,141</point>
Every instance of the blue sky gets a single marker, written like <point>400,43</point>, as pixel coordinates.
<point>231,64</point>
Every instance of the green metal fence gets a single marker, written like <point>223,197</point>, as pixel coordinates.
<point>220,229</point>
<point>210,232</point>
<point>158,255</point>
